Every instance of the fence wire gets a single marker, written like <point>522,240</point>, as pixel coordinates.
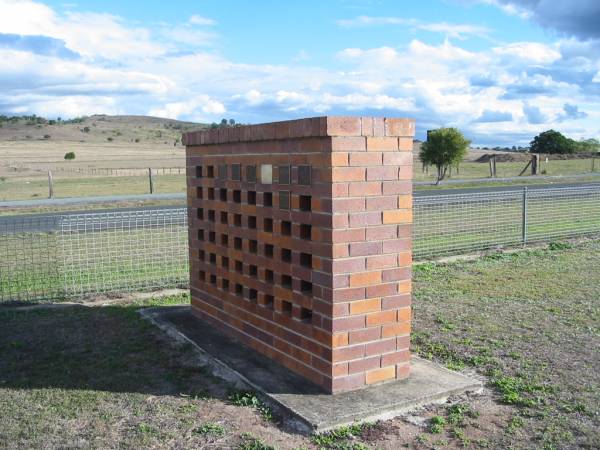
<point>44,257</point>
<point>77,254</point>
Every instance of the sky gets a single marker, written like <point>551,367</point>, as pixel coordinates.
<point>500,70</point>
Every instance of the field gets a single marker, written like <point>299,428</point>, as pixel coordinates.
<point>100,377</point>
<point>114,154</point>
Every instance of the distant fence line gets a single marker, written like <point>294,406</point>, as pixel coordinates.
<point>114,172</point>
<point>63,256</point>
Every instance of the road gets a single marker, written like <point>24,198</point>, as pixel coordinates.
<point>138,217</point>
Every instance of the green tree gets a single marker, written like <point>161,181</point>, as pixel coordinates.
<point>69,156</point>
<point>444,148</point>
<point>552,141</point>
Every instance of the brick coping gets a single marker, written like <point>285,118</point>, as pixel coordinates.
<point>332,126</point>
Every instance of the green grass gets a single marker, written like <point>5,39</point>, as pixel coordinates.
<point>452,229</point>
<point>512,169</point>
<point>21,188</point>
<point>529,322</point>
<point>43,266</point>
<point>37,188</point>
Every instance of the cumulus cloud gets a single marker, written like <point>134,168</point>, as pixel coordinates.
<point>534,114</point>
<point>488,116</point>
<point>457,31</point>
<point>571,112</point>
<point>197,19</point>
<point>578,18</point>
<point>66,64</point>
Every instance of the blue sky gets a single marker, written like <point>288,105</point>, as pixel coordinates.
<point>500,70</point>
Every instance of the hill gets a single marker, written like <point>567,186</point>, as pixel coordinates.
<point>96,129</point>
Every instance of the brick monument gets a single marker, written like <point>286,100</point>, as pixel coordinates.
<point>300,243</point>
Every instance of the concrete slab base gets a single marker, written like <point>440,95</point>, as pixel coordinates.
<point>304,406</point>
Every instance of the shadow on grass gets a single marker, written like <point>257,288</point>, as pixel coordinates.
<point>108,348</point>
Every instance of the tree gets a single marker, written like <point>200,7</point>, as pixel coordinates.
<point>69,156</point>
<point>444,148</point>
<point>552,141</point>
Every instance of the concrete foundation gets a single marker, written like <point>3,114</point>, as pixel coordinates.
<point>305,406</point>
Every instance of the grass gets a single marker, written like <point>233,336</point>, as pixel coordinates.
<point>43,266</point>
<point>442,229</point>
<point>513,169</point>
<point>37,188</point>
<point>529,322</point>
<point>101,377</point>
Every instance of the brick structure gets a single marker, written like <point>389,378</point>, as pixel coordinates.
<point>300,243</point>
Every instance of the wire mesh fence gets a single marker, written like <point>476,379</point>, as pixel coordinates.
<point>44,257</point>
<point>452,224</point>
<point>69,255</point>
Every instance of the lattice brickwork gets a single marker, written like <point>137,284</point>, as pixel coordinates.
<point>300,243</point>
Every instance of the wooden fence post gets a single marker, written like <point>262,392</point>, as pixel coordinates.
<point>50,185</point>
<point>150,180</point>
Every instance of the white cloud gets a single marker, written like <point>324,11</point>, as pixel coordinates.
<point>201,107</point>
<point>202,21</point>
<point>457,31</point>
<point>514,89</point>
<point>529,51</point>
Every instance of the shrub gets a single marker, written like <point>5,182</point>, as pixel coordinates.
<point>46,136</point>
<point>69,156</point>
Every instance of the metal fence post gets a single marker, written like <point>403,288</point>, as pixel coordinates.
<point>524,218</point>
<point>150,180</point>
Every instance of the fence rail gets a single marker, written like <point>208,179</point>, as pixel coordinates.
<point>63,256</point>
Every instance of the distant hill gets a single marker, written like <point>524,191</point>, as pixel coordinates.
<point>96,129</point>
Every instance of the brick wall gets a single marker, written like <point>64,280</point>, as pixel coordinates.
<point>300,243</point>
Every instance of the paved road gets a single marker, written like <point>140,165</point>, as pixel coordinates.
<point>113,218</point>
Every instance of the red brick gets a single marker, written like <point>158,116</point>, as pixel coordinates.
<point>365,278</point>
<point>351,235</point>
<point>380,347</point>
<point>365,306</point>
<point>395,358</point>
<point>367,159</point>
<point>397,216</point>
<point>366,335</point>
<point>344,126</point>
<point>365,248</point>
<point>379,375</point>
<point>348,174</point>
<point>347,205</point>
<point>382,144</point>
<point>396,301</point>
<point>397,187</point>
<point>381,317</point>
<point>348,265</point>
<point>382,203</point>
<point>397,159</point>
<point>383,232</point>
<point>348,144</point>
<point>366,189</point>
<point>351,382</point>
<point>382,173</point>
<point>348,353</point>
<point>382,262</point>
<point>362,365</point>
<point>365,219</point>
<point>348,323</point>
<point>399,127</point>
